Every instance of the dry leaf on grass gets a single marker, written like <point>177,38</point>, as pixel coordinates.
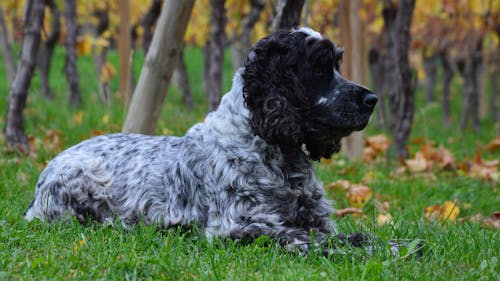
<point>479,168</point>
<point>417,164</point>
<point>492,221</point>
<point>384,219</point>
<point>430,158</point>
<point>348,211</point>
<point>448,211</point>
<point>356,194</point>
<point>494,144</point>
<point>375,146</point>
<point>339,185</point>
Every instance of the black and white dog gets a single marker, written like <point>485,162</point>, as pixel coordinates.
<point>244,172</point>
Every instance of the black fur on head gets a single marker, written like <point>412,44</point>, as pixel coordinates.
<point>296,96</point>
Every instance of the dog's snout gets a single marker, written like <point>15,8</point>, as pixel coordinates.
<point>370,100</point>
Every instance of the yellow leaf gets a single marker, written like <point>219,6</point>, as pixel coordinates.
<point>448,211</point>
<point>84,45</point>
<point>167,132</point>
<point>105,119</point>
<point>79,245</point>
<point>78,117</point>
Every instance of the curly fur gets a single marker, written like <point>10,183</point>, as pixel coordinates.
<point>244,172</point>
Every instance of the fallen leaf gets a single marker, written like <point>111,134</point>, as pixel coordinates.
<point>79,245</point>
<point>375,146</point>
<point>78,117</point>
<point>342,185</point>
<point>479,168</point>
<point>448,211</point>
<point>493,220</point>
<point>166,132</point>
<point>417,164</point>
<point>445,158</point>
<point>384,219</point>
<point>97,132</point>
<point>419,140</point>
<point>105,119</point>
<point>494,144</point>
<point>358,195</point>
<point>53,140</point>
<point>348,211</point>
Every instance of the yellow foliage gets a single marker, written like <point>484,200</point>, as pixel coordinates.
<point>448,211</point>
<point>84,45</point>
<point>377,25</point>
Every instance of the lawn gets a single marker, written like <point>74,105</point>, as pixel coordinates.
<point>455,249</point>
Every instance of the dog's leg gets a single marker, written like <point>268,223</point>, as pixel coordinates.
<point>291,239</point>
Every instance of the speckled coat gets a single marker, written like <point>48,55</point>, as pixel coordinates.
<point>244,172</point>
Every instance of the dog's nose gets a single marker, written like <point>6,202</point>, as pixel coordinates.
<point>370,100</point>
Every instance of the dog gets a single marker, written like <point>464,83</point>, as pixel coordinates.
<point>245,172</point>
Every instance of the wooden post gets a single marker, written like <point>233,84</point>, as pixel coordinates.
<point>159,65</point>
<point>351,33</point>
<point>124,49</point>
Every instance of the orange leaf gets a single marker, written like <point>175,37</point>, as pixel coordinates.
<point>448,211</point>
<point>358,195</point>
<point>348,211</point>
<point>375,146</point>
<point>494,144</point>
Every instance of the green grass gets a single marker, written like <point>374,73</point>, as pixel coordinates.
<point>35,251</point>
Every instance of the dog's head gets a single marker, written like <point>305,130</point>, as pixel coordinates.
<point>296,95</point>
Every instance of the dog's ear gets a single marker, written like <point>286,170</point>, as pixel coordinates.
<point>275,120</point>
<point>274,94</point>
